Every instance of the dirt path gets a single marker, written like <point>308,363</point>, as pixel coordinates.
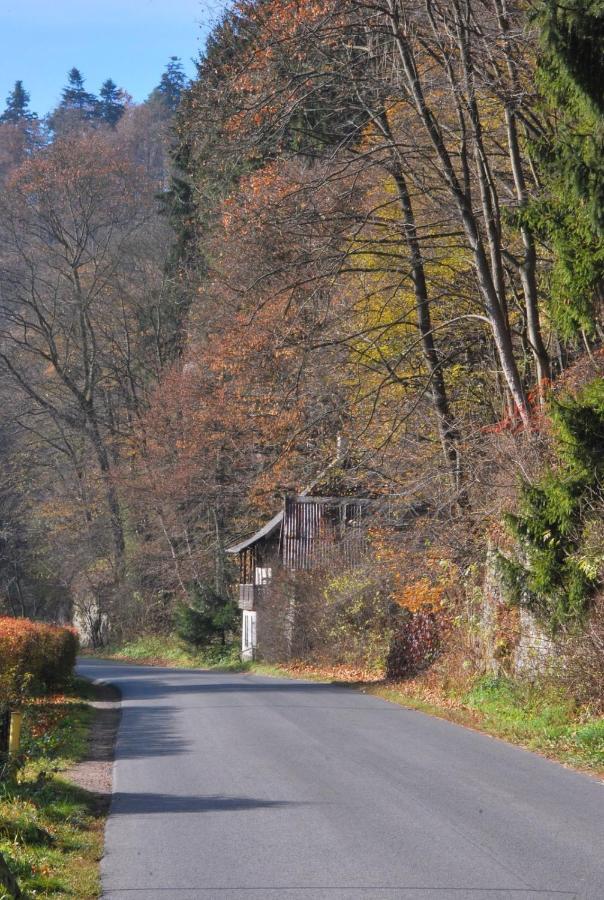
<point>95,772</point>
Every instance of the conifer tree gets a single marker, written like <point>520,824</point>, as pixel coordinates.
<point>569,214</point>
<point>111,105</point>
<point>17,106</point>
<point>172,84</point>
<point>573,33</point>
<point>76,97</point>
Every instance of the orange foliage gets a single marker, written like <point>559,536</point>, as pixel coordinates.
<point>34,654</point>
<point>417,594</point>
<point>412,589</point>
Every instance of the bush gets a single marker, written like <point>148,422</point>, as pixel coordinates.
<point>34,656</point>
<point>582,660</point>
<point>336,618</point>
<point>414,646</point>
<point>557,571</point>
<point>208,619</point>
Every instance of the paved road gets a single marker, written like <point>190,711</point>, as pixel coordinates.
<point>237,787</point>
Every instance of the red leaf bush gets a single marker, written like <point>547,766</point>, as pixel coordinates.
<point>414,646</point>
<point>34,656</point>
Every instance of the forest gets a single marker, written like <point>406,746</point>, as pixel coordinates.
<point>365,240</point>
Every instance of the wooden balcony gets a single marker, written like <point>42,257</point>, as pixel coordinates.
<point>246,597</point>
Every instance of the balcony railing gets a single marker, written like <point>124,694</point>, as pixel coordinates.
<point>246,596</point>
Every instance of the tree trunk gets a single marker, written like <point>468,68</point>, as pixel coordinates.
<point>487,286</point>
<point>9,882</point>
<point>529,264</point>
<point>115,513</point>
<point>449,435</point>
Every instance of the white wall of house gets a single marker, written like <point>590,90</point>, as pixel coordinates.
<point>248,635</point>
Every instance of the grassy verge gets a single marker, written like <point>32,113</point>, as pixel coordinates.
<point>156,650</point>
<point>51,833</point>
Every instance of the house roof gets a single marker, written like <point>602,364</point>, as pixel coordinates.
<point>272,525</point>
<point>265,531</point>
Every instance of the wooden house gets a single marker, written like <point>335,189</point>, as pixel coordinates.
<point>309,534</point>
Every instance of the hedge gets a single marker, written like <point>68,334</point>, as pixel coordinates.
<point>414,646</point>
<point>34,656</point>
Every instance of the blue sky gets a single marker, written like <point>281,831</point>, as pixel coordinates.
<point>127,40</point>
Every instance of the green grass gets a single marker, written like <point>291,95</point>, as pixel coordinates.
<point>170,651</point>
<point>51,833</point>
<point>539,717</point>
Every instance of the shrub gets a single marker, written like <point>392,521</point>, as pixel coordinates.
<point>34,656</point>
<point>414,645</point>
<point>338,618</point>
<point>208,619</point>
<point>358,618</point>
<point>555,576</point>
<point>582,660</point>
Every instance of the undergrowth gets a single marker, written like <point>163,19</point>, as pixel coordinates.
<point>51,832</point>
<point>540,717</point>
<point>168,651</point>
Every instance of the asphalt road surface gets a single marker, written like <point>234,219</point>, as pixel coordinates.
<point>246,788</point>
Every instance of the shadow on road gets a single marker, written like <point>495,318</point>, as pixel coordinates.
<point>138,682</point>
<point>150,731</point>
<point>143,804</point>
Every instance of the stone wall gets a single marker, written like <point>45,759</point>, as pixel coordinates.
<point>514,642</point>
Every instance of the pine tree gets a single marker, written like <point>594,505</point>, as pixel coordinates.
<point>76,97</point>
<point>572,70</point>
<point>569,213</point>
<point>573,33</point>
<point>17,106</point>
<point>111,105</point>
<point>172,84</point>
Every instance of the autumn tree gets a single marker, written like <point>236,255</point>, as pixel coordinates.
<point>81,290</point>
<point>443,126</point>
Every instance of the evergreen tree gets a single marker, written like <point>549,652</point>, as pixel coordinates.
<point>172,84</point>
<point>76,97</point>
<point>573,34</point>
<point>569,213</point>
<point>17,106</point>
<point>111,105</point>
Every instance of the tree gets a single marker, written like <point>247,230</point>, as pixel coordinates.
<point>312,83</point>
<point>208,618</point>
<point>81,281</point>
<point>111,105</point>
<point>20,130</point>
<point>17,106</point>
<point>568,210</point>
<point>78,107</point>
<point>172,84</point>
<point>75,96</point>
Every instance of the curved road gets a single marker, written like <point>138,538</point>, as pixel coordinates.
<point>246,788</point>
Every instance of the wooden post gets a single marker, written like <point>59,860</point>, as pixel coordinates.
<point>14,738</point>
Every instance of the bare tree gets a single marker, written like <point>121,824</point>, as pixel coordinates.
<point>76,282</point>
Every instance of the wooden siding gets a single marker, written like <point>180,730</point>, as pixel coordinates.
<point>321,532</point>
